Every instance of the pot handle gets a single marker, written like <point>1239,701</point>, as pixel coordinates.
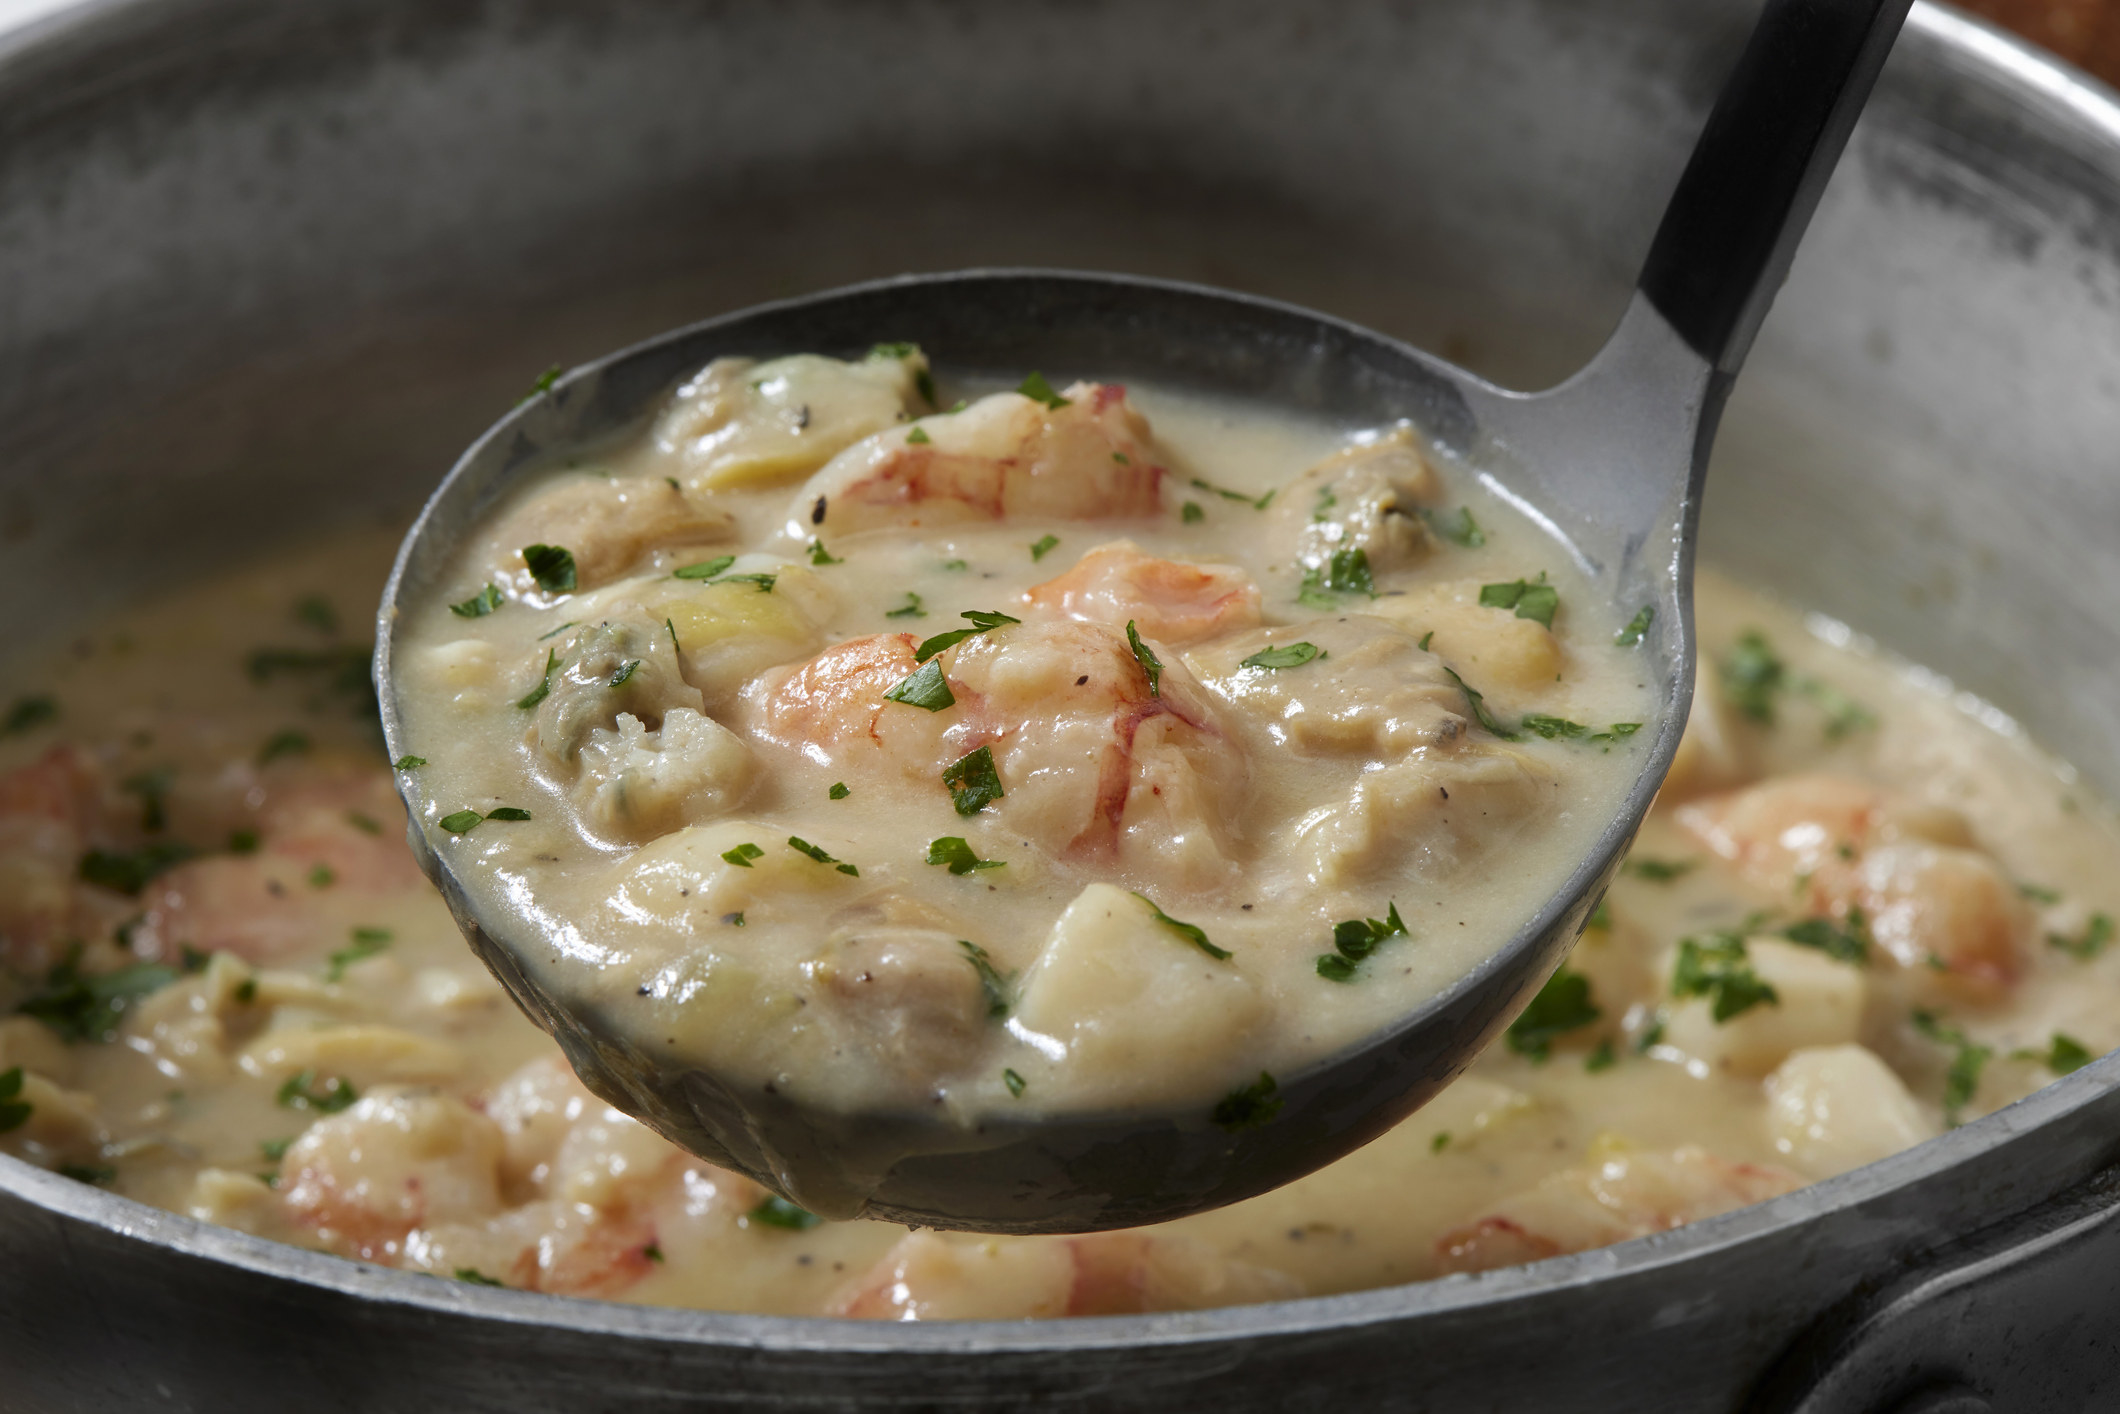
<point>1761,162</point>
<point>2019,1316</point>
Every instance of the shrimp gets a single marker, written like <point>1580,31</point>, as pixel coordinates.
<point>1170,601</point>
<point>1619,1195</point>
<point>1937,904</point>
<point>47,809</point>
<point>1006,457</point>
<point>929,1277</point>
<point>361,1181</point>
<point>1095,760</point>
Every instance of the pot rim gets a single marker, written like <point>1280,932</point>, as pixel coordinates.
<point>1939,37</point>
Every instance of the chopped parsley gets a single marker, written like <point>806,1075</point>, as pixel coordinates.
<point>1257,503</point>
<point>675,646</point>
<point>153,789</point>
<point>367,942</point>
<point>480,604</point>
<point>1535,601</point>
<point>408,763</point>
<point>973,782</point>
<point>653,1252</point>
<point>301,1091</point>
<point>1037,389</point>
<point>130,872</point>
<point>80,1006</point>
<point>1554,728</point>
<point>1354,940</point>
<point>1478,703</point>
<point>543,689</point>
<point>764,582</point>
<point>552,566</point>
<point>507,812</point>
<point>28,713</point>
<point>1752,675</point>
<point>734,920</point>
<point>543,384</point>
<point>707,569</point>
<point>97,1174</point>
<point>1716,967</point>
<point>955,852</point>
<point>1844,942</point>
<point>2064,1055</point>
<point>1438,1142</point>
<point>571,623</point>
<point>1561,1006</point>
<point>472,1276</point>
<point>1249,1106</point>
<point>918,437</point>
<point>776,1211</point>
<point>925,687</point>
<point>1426,639</point>
<point>983,621</point>
<point>1014,1082</point>
<point>1284,655</point>
<point>275,1150</point>
<point>1636,627</point>
<point>1346,572</point>
<point>1191,932</point>
<point>1146,657</point>
<point>1460,529</point>
<point>367,825</point>
<point>2039,893</point>
<point>322,876</point>
<point>1043,546</point>
<point>14,1110</point>
<point>803,846</point>
<point>956,566</point>
<point>2096,934</point>
<point>911,609</point>
<point>242,841</point>
<point>316,611</point>
<point>463,821</point>
<point>1968,1059</point>
<point>1191,513</point>
<point>742,855</point>
<point>286,743</point>
<point>896,350</point>
<point>1660,871</point>
<point>839,790</point>
<point>1601,1057</point>
<point>991,982</point>
<point>618,679</point>
<point>818,556</point>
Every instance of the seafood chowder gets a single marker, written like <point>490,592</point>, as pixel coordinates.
<point>1084,751</point>
<point>1862,911</point>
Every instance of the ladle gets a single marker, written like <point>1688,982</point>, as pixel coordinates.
<point>1612,462</point>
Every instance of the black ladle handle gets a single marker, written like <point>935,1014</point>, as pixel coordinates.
<point>1755,175</point>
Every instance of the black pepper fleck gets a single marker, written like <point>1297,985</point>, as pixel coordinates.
<point>817,512</point>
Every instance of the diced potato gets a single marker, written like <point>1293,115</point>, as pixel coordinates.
<point>1139,1010</point>
<point>931,1277</point>
<point>1491,648</point>
<point>1820,1004</point>
<point>740,423</point>
<point>729,632</point>
<point>1834,1108</point>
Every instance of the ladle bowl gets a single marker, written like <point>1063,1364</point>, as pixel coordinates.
<point>1610,464</point>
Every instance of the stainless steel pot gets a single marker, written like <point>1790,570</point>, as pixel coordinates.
<point>268,266</point>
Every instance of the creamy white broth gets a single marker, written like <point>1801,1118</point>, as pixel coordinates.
<point>524,1179</point>
<point>1275,808</point>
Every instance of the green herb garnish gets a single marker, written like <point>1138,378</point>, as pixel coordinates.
<point>1460,529</point>
<point>707,569</point>
<point>1354,940</point>
<point>1191,932</point>
<point>1043,546</point>
<point>1660,871</point>
<point>543,689</point>
<point>991,982</point>
<point>1968,1059</point>
<point>1283,655</point>
<point>543,384</point>
<point>129,873</point>
<point>911,609</point>
<point>507,812</point>
<point>1752,675</point>
<point>1257,503</point>
<point>286,743</point>
<point>1715,967</point>
<point>2039,893</point>
<point>408,763</point>
<point>1346,572</point>
<point>14,1110</point>
<point>803,846</point>
<point>301,1092</point>
<point>983,621</point>
<point>1844,942</point>
<point>1191,513</point>
<point>1037,389</point>
<point>2064,1055</point>
<point>29,713</point>
<point>275,1150</point>
<point>618,679</point>
<point>472,1276</point>
<point>1146,657</point>
<point>955,852</point>
<point>1636,627</point>
<point>1561,1006</point>
<point>552,566</point>
<point>818,554</point>
<point>1602,1057</point>
<point>1535,601</point>
<point>367,942</point>
<point>1478,703</point>
<point>742,855</point>
<point>973,782</point>
<point>460,822</point>
<point>322,876</point>
<point>776,1211</point>
<point>316,611</point>
<point>918,437</point>
<point>1014,1082</point>
<point>2096,934</point>
<point>1249,1107</point>
<point>480,604</point>
<point>839,790</point>
<point>925,687</point>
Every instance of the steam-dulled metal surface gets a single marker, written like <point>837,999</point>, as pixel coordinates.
<point>269,266</point>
